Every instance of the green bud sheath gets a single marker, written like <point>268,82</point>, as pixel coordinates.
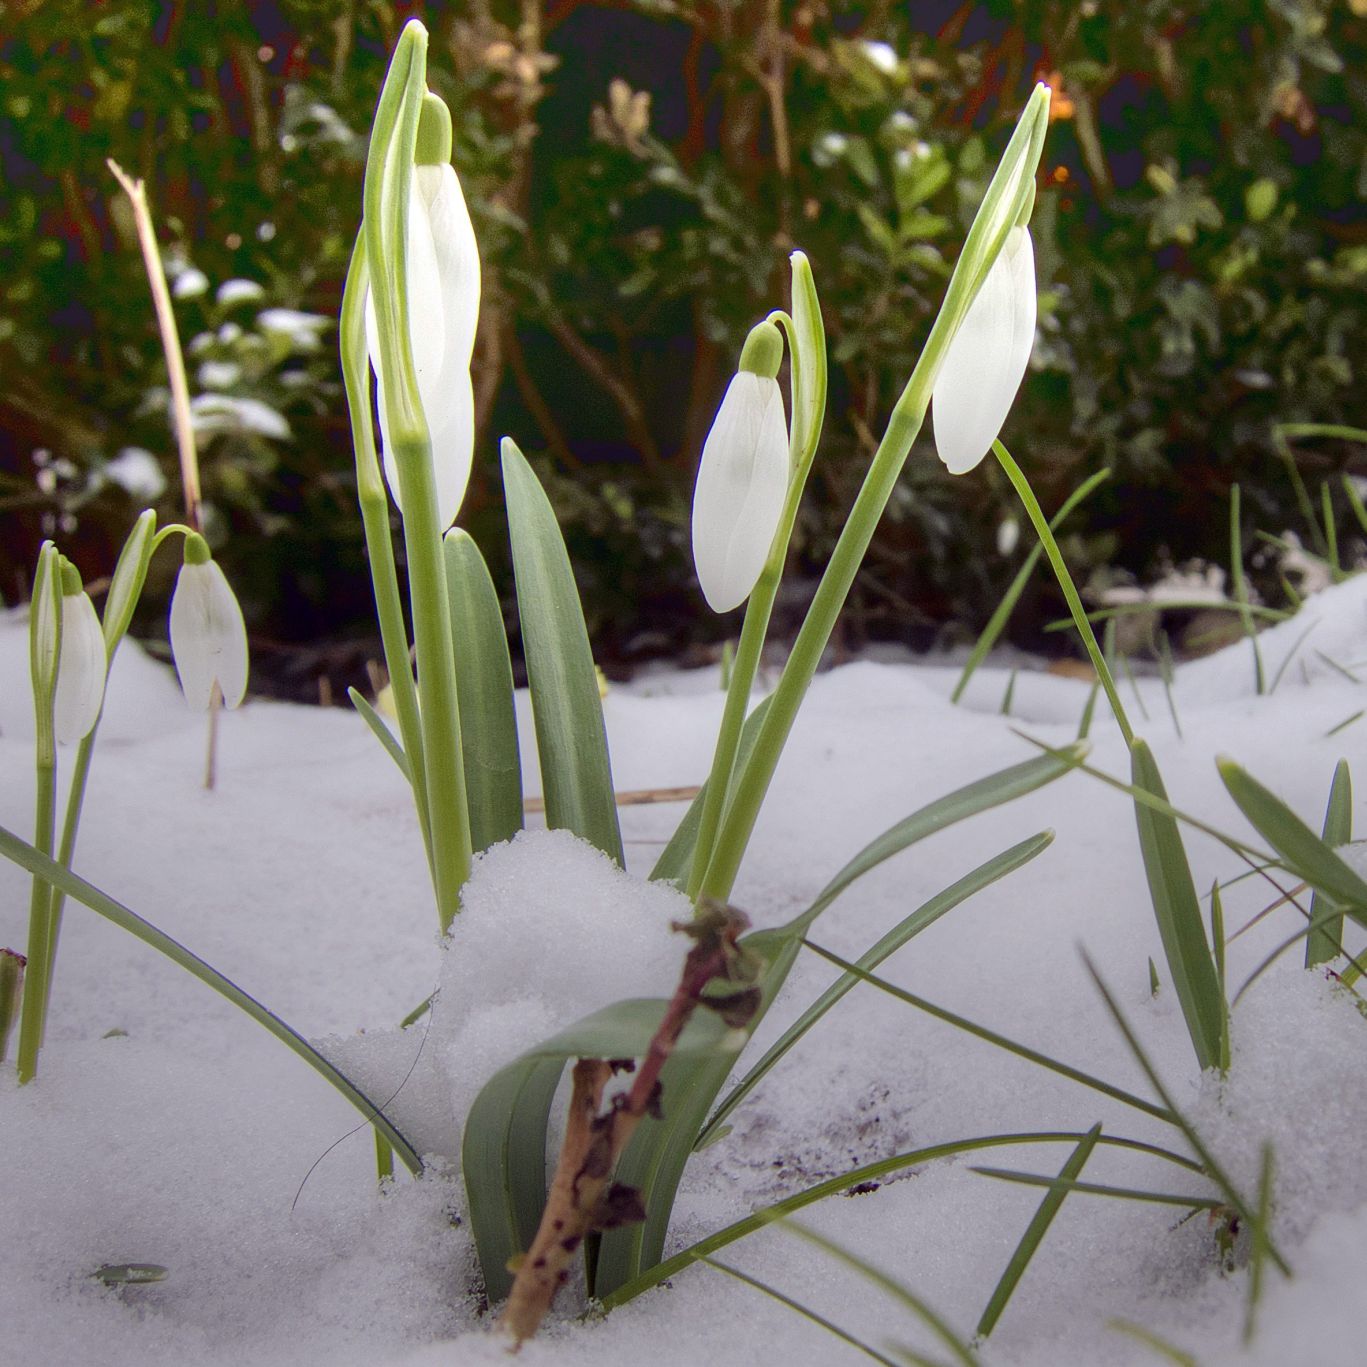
<point>763,351</point>
<point>434,133</point>
<point>196,550</point>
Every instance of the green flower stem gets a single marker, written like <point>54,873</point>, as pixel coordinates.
<point>33,1015</point>
<point>1065,582</point>
<point>374,501</point>
<point>1010,187</point>
<point>388,174</point>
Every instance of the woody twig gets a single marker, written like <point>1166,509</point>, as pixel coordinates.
<point>583,1197</point>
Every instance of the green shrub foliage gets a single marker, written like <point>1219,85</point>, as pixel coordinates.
<point>638,173</point>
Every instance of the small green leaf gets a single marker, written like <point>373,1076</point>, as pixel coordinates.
<point>1178,912</point>
<point>130,1274</point>
<point>484,686</point>
<point>1324,942</point>
<point>380,731</point>
<point>571,739</point>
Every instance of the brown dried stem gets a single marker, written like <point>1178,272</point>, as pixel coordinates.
<point>582,1197</point>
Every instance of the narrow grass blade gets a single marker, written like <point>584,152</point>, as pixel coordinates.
<point>1240,586</point>
<point>1210,1165</point>
<point>484,685</point>
<point>1331,535</point>
<point>805,1311</point>
<point>1355,502</point>
<point>1168,1351</point>
<point>503,1151</point>
<point>1069,1184</point>
<point>1257,1254</point>
<point>380,731</point>
<point>1355,968</point>
<point>1010,693</point>
<point>1291,655</point>
<point>991,1036</point>
<point>1002,615</point>
<point>1280,433</point>
<point>926,914</point>
<point>1036,1229</point>
<point>571,739</point>
<point>1128,670</point>
<point>1084,726</point>
<point>1165,670</point>
<point>1301,850</point>
<point>1323,944</point>
<point>858,1177</point>
<point>937,1326</point>
<point>1178,911</point>
<point>72,886</point>
<point>1345,723</point>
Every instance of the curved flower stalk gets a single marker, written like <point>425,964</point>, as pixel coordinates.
<point>208,635</point>
<point>442,290</point>
<point>743,476</point>
<point>985,362</point>
<point>81,662</point>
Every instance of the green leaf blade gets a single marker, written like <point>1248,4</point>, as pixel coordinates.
<point>1325,938</point>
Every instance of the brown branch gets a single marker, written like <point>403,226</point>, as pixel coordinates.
<point>582,1198</point>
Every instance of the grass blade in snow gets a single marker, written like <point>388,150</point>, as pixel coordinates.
<point>1178,911</point>
<point>654,1160</point>
<point>1324,939</point>
<point>380,731</point>
<point>68,883</point>
<point>1300,849</point>
<point>503,1153</point>
<point>570,736</point>
<point>484,685</point>
<point>923,916</point>
<point>1036,1230</point>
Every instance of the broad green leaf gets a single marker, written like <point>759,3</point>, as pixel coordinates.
<point>1178,912</point>
<point>1300,849</point>
<point>927,914</point>
<point>380,731</point>
<point>571,739</point>
<point>23,854</point>
<point>484,685</point>
<point>1324,942</point>
<point>503,1152</point>
<point>1036,1230</point>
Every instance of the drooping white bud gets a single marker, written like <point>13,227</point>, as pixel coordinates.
<point>986,358</point>
<point>81,665</point>
<point>742,482</point>
<point>443,274</point>
<point>208,635</point>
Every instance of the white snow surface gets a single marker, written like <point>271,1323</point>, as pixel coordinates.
<point>193,1139</point>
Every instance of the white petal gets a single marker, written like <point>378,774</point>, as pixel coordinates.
<point>80,670</point>
<point>457,258</point>
<point>208,636</point>
<point>742,482</point>
<point>986,358</point>
<point>453,448</point>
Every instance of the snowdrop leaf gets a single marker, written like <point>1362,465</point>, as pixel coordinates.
<point>571,739</point>
<point>808,360</point>
<point>1178,912</point>
<point>503,1156</point>
<point>1300,849</point>
<point>1325,941</point>
<point>484,685</point>
<point>381,732</point>
<point>125,586</point>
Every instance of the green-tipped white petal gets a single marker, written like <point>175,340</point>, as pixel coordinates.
<point>80,670</point>
<point>208,636</point>
<point>986,359</point>
<point>742,482</point>
<point>443,314</point>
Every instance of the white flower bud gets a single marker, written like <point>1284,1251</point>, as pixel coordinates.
<point>81,665</point>
<point>742,483</point>
<point>208,635</point>
<point>986,358</point>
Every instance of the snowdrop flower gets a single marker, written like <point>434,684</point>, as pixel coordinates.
<point>743,477</point>
<point>81,662</point>
<point>986,359</point>
<point>442,260</point>
<point>208,636</point>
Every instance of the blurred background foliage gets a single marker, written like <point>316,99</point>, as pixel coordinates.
<point>638,172</point>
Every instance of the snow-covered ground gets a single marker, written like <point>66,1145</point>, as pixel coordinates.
<point>167,1128</point>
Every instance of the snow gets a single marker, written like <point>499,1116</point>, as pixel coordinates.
<point>192,1139</point>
